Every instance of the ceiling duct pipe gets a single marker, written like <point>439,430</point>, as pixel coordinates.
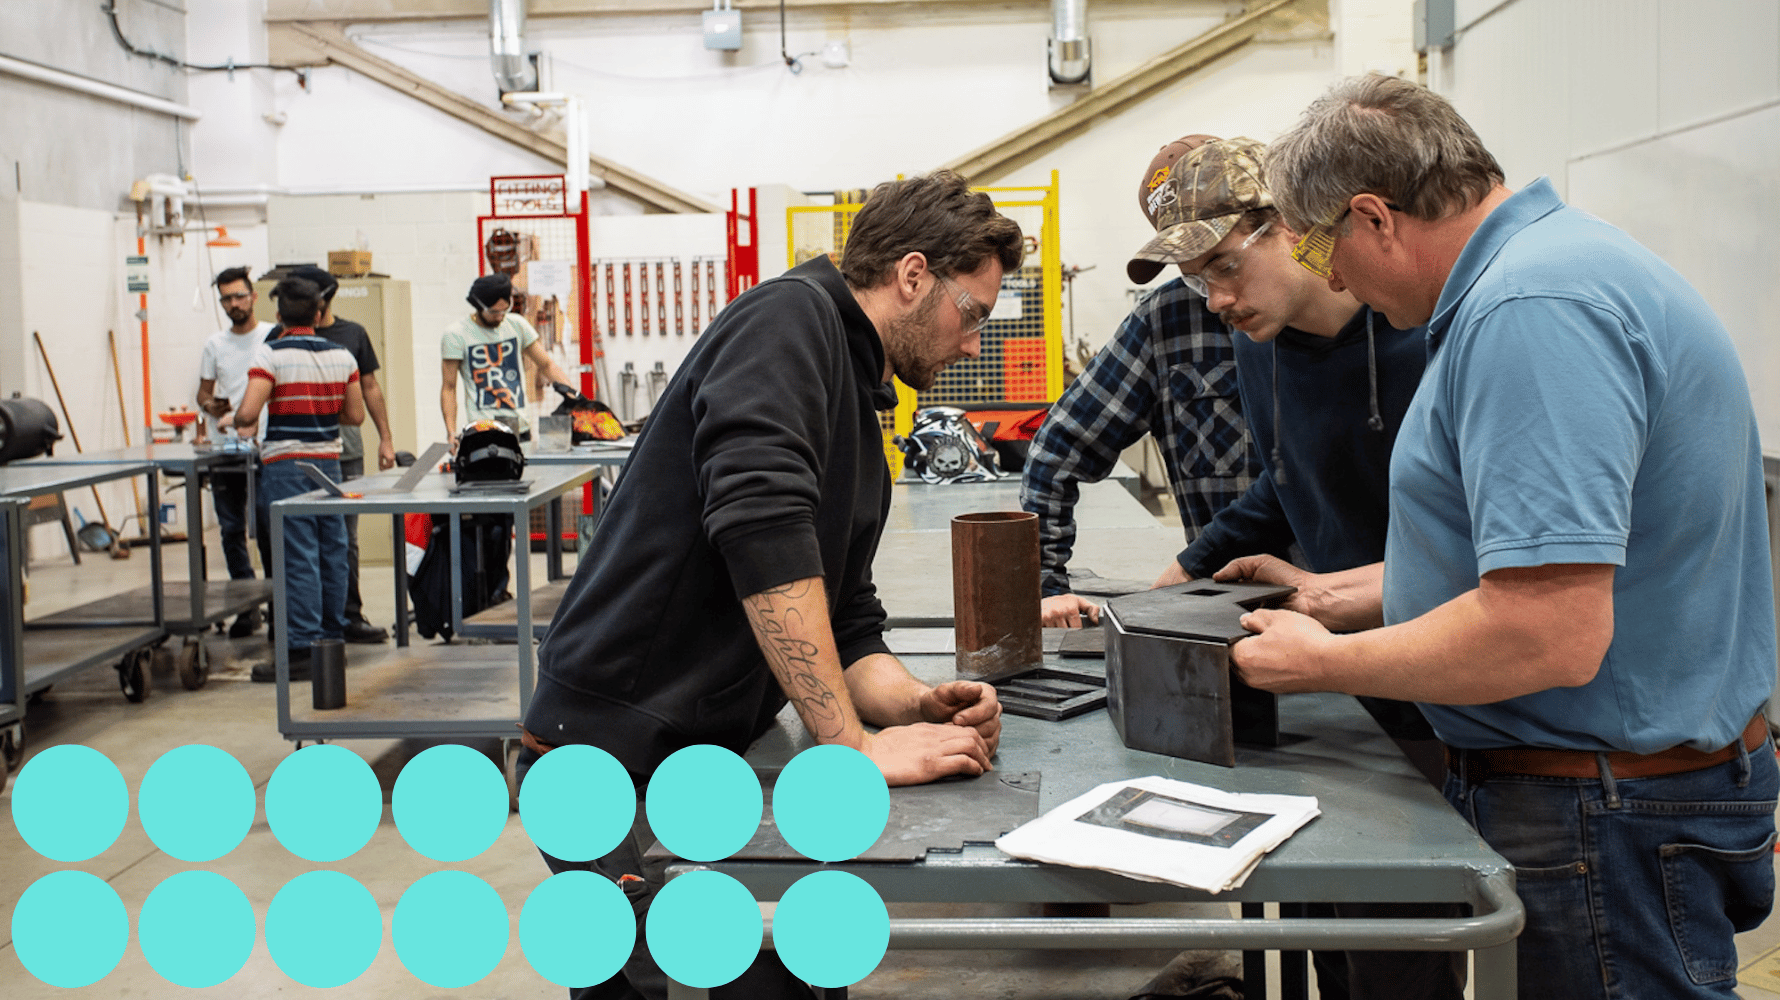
<point>506,47</point>
<point>1069,58</point>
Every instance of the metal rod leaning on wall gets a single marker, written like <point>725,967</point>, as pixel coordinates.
<point>117,376</point>
<point>104,518</point>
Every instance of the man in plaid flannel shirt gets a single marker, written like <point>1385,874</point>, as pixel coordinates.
<point>1170,372</point>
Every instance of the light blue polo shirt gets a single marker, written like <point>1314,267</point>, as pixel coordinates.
<point>1582,404</point>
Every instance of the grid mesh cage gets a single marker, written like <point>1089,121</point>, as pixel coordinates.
<point>1021,344</point>
<point>510,244</point>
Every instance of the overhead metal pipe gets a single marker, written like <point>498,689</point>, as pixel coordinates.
<point>1068,50</point>
<point>96,88</point>
<point>506,46</point>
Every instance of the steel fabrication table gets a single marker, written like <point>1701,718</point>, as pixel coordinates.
<point>449,691</point>
<point>57,645</point>
<point>1384,835</point>
<point>196,607</point>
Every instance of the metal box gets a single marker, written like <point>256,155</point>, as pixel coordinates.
<point>723,29</point>
<point>1169,687</point>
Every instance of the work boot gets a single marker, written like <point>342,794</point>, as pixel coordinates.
<point>247,624</point>
<point>267,673</point>
<point>361,631</point>
<point>1211,975</point>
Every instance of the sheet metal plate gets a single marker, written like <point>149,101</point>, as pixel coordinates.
<point>942,816</point>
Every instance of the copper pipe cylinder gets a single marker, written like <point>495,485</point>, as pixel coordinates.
<point>995,594</point>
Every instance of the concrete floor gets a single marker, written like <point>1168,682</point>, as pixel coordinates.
<point>239,716</point>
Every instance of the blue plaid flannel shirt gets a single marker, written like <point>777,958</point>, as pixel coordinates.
<point>1170,371</point>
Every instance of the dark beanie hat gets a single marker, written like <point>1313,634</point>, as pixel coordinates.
<point>325,283</point>
<point>489,289</point>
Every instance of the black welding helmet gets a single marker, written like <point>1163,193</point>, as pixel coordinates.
<point>944,447</point>
<point>488,452</point>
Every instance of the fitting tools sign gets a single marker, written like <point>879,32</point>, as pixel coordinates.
<point>136,274</point>
<point>543,195</point>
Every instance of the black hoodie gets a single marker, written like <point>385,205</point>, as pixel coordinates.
<point>1324,413</point>
<point>762,463</point>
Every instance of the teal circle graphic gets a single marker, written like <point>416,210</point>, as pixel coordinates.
<point>323,929</point>
<point>577,803</point>
<point>69,929</point>
<point>831,803</point>
<point>577,928</point>
<point>449,929</point>
<point>704,929</point>
<point>70,803</point>
<point>831,929</point>
<point>704,803</point>
<point>196,929</point>
<point>450,802</point>
<point>196,803</point>
<point>323,803</point>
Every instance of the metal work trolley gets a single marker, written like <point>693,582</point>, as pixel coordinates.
<point>452,690</point>
<point>191,609</point>
<point>47,649</point>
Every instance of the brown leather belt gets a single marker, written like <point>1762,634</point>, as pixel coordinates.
<point>534,744</point>
<point>1546,762</point>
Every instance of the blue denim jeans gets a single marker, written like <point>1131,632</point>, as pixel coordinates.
<point>1633,887</point>
<point>314,557</point>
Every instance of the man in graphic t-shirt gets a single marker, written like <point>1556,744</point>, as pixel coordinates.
<point>486,349</point>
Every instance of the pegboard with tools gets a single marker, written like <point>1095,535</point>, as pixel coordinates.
<point>659,296</point>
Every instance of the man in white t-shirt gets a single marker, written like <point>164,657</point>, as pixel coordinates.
<point>222,379</point>
<point>488,348</point>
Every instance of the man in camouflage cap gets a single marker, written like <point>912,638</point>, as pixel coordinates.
<point>1322,384</point>
<point>1169,371</point>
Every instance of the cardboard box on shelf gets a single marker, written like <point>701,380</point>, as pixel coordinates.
<point>349,263</point>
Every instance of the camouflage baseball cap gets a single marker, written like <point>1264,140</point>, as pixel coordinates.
<point>1194,192</point>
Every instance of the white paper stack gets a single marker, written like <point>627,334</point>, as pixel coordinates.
<point>1161,830</point>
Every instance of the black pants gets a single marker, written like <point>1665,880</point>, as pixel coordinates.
<point>641,978</point>
<point>355,605</point>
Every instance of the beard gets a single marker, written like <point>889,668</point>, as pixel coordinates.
<point>238,315</point>
<point>906,344</point>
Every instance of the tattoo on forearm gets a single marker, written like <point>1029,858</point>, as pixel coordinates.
<point>792,656</point>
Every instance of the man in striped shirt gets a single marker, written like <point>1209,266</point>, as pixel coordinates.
<point>310,386</point>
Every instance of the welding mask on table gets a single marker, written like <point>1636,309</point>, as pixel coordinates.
<point>943,447</point>
<point>488,452</point>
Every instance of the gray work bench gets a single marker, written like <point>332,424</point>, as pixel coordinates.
<point>1385,834</point>
<point>198,603</point>
<point>50,647</point>
<point>452,691</point>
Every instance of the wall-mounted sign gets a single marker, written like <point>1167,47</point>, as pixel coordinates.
<point>542,195</point>
<point>136,274</point>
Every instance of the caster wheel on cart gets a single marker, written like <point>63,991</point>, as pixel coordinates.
<point>193,664</point>
<point>12,750</point>
<point>133,674</point>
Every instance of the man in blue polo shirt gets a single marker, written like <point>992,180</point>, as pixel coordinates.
<point>1576,583</point>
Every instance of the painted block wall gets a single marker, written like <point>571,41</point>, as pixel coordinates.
<point>1660,116</point>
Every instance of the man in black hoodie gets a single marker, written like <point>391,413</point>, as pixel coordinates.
<point>731,570</point>
<point>1324,383</point>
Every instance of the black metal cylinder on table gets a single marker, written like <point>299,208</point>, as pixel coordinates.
<point>995,594</point>
<point>327,672</point>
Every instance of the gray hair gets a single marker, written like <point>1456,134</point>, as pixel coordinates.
<point>1380,135</point>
